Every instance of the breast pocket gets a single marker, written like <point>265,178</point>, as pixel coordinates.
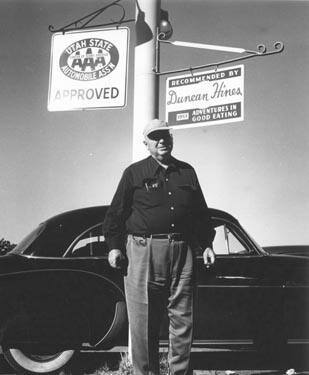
<point>154,197</point>
<point>150,194</point>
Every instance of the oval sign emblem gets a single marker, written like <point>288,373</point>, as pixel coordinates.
<point>89,59</point>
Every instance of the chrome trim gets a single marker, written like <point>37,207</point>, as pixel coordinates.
<point>226,342</point>
<point>236,277</point>
<point>240,286</point>
<point>298,341</point>
<point>58,258</point>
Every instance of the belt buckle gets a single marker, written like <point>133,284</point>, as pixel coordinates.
<point>172,236</point>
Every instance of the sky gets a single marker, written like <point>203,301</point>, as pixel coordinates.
<point>256,169</point>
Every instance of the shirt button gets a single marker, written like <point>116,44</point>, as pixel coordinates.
<point>166,179</point>
<point>169,193</point>
<point>172,225</point>
<point>172,208</point>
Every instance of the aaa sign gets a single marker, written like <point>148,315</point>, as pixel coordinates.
<point>88,69</point>
<point>207,98</point>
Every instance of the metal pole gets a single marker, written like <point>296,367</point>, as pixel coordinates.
<point>146,82</point>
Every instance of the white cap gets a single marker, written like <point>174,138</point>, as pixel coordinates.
<point>155,125</point>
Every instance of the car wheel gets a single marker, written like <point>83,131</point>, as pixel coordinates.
<point>24,361</point>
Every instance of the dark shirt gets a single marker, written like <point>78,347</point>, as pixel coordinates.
<point>153,200</point>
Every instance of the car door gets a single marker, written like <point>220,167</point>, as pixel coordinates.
<point>103,289</point>
<point>228,292</point>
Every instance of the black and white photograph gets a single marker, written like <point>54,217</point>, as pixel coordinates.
<point>154,187</point>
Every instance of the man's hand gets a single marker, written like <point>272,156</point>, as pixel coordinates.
<point>209,257</point>
<point>115,258</point>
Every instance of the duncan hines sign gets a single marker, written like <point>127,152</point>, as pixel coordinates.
<point>88,69</point>
<point>206,98</point>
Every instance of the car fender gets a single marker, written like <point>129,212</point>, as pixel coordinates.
<point>80,305</point>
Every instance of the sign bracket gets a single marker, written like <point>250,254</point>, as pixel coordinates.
<point>261,51</point>
<point>84,22</point>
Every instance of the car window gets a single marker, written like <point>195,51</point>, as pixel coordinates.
<point>25,243</point>
<point>90,243</point>
<point>226,243</point>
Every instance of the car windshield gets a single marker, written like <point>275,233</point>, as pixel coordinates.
<point>28,240</point>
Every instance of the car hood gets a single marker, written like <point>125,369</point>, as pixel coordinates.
<point>289,268</point>
<point>295,250</point>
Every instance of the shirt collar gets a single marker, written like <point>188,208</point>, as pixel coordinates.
<point>155,166</point>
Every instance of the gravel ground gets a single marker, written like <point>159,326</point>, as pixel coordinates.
<point>98,364</point>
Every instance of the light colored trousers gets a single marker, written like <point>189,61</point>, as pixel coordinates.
<point>160,274</point>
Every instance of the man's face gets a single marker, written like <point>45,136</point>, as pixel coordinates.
<point>159,144</point>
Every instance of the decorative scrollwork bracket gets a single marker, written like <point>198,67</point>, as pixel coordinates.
<point>261,51</point>
<point>84,22</point>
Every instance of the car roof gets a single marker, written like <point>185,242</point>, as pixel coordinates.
<point>95,214</point>
<point>57,232</point>
<point>90,213</point>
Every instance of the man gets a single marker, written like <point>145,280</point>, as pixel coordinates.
<point>159,215</point>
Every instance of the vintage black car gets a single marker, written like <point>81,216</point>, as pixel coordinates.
<point>58,294</point>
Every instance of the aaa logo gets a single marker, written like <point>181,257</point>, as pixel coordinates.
<point>89,59</point>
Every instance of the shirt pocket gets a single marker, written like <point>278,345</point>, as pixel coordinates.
<point>150,194</point>
<point>154,198</point>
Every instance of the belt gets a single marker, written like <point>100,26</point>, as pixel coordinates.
<point>167,236</point>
